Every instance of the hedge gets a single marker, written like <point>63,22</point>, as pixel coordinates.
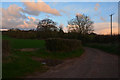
<point>5,48</point>
<point>62,45</point>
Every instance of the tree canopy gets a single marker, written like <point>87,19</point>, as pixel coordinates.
<point>46,25</point>
<point>81,24</point>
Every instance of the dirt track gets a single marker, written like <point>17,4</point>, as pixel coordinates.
<point>92,64</point>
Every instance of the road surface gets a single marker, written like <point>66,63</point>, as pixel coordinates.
<point>92,64</point>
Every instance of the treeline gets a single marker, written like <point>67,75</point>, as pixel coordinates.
<point>20,34</point>
<point>85,38</point>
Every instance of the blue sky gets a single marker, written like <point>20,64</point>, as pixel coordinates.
<point>68,11</point>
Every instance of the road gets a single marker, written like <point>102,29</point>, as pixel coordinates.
<point>92,64</point>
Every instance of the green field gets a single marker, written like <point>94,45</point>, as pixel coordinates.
<point>25,43</point>
<point>20,63</point>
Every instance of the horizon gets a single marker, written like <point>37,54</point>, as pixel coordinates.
<point>26,15</point>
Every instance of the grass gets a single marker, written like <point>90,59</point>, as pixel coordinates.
<point>19,66</point>
<point>24,43</point>
<point>55,55</point>
<point>20,63</point>
<point>110,48</point>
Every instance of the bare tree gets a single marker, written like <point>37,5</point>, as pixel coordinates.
<point>81,24</point>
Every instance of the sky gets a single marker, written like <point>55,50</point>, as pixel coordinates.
<point>26,15</point>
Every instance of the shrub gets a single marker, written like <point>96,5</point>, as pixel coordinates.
<point>47,34</point>
<point>62,45</point>
<point>5,48</point>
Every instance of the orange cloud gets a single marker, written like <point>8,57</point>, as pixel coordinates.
<point>13,11</point>
<point>31,18</point>
<point>12,18</point>
<point>36,7</point>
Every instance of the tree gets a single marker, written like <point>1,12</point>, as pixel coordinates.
<point>46,25</point>
<point>61,28</point>
<point>81,24</point>
<point>46,28</point>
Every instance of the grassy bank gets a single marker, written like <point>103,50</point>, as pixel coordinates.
<point>21,63</point>
<point>110,48</point>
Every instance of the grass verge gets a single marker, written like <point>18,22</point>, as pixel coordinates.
<point>20,63</point>
<point>110,48</point>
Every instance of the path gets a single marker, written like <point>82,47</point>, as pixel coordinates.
<point>92,64</point>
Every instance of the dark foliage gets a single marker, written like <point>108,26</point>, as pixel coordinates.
<point>48,34</point>
<point>21,34</point>
<point>62,45</point>
<point>46,25</point>
<point>85,38</point>
<point>5,48</point>
<point>46,28</point>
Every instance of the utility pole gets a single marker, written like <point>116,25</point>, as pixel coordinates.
<point>111,23</point>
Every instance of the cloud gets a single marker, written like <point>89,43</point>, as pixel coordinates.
<point>31,18</point>
<point>30,12</point>
<point>13,11</point>
<point>32,23</point>
<point>97,6</point>
<point>34,8</point>
<point>13,18</point>
<point>104,28</point>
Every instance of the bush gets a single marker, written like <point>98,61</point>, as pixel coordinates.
<point>5,48</point>
<point>47,34</point>
<point>62,45</point>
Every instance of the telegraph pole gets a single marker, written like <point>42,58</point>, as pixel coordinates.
<point>111,23</point>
